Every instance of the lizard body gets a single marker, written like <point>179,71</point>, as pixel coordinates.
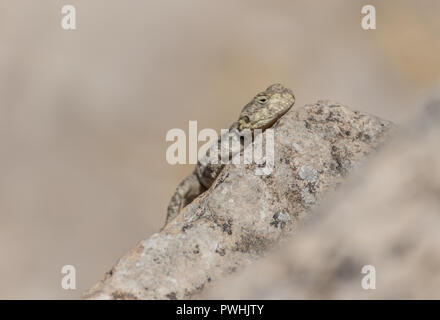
<point>260,113</point>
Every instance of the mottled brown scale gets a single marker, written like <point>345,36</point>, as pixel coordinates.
<point>260,113</point>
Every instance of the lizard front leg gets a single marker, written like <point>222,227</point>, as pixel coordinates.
<point>185,192</point>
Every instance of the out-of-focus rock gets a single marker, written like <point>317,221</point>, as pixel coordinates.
<point>386,216</point>
<point>243,214</point>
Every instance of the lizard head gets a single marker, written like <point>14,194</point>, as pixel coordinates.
<point>266,108</point>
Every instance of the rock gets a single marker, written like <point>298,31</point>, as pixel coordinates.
<point>243,214</point>
<point>386,215</point>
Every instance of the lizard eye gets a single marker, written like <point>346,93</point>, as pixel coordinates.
<point>262,99</point>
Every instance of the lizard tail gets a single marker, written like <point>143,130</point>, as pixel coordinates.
<point>185,193</point>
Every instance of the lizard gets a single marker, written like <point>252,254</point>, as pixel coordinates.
<point>260,113</point>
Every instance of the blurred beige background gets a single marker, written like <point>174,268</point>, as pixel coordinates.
<point>84,114</point>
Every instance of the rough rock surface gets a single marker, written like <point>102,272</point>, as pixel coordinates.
<point>244,214</point>
<point>386,215</point>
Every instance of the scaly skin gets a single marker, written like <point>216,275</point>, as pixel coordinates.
<point>260,113</point>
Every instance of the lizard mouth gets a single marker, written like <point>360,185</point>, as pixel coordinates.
<point>267,123</point>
